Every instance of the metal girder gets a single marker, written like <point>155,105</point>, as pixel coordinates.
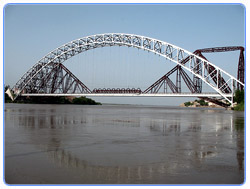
<point>215,101</point>
<point>221,49</point>
<point>215,75</point>
<point>190,84</point>
<point>241,64</point>
<point>220,80</point>
<point>165,81</point>
<point>132,94</point>
<point>241,70</point>
<point>164,49</point>
<point>55,78</point>
<point>154,88</point>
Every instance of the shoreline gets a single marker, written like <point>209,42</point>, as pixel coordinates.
<point>134,105</point>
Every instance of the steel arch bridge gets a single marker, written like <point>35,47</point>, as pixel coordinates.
<point>49,77</point>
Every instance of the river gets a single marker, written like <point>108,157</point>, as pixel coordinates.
<point>122,144</point>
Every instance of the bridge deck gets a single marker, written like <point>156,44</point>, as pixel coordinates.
<point>134,95</point>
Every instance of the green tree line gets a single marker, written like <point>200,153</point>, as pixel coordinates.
<point>50,100</point>
<point>239,97</point>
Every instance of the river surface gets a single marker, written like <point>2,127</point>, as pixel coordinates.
<point>122,144</point>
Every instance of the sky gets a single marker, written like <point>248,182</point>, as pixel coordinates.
<point>33,30</point>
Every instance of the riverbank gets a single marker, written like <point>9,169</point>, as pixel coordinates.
<point>239,107</point>
<point>195,104</point>
<point>53,100</point>
<point>199,103</point>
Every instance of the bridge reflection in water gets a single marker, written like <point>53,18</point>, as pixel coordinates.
<point>124,144</point>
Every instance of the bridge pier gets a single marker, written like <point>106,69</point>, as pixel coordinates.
<point>233,89</point>
<point>10,94</point>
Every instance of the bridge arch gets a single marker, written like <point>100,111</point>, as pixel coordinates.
<point>191,62</point>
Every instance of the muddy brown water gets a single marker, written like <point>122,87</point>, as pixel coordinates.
<point>122,144</point>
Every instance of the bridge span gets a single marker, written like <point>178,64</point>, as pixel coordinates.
<point>132,94</point>
<point>49,77</point>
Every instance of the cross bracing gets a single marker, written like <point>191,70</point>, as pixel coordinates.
<point>202,70</point>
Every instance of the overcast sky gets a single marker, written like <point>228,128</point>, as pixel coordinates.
<point>32,31</point>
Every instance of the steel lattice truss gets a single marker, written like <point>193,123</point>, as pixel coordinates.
<point>241,64</point>
<point>201,69</point>
<point>54,78</point>
<point>165,82</point>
